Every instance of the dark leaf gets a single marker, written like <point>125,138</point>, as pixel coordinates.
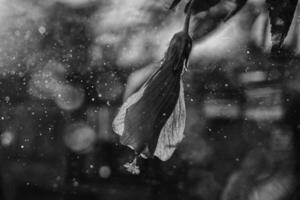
<point>205,5</point>
<point>281,14</point>
<point>201,5</point>
<point>198,5</point>
<point>204,25</point>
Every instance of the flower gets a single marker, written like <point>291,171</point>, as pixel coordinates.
<point>152,120</point>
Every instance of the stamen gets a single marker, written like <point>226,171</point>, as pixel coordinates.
<point>132,167</point>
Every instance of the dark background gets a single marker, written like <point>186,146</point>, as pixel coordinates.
<point>64,70</point>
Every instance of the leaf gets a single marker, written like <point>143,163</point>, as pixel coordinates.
<point>205,25</point>
<point>198,5</point>
<point>205,5</point>
<point>281,14</point>
<point>201,5</point>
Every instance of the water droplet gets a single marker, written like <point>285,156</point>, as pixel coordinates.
<point>42,30</point>
<point>105,172</point>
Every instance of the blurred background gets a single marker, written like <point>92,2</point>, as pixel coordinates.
<point>67,65</point>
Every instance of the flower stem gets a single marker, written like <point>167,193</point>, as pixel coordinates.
<point>188,17</point>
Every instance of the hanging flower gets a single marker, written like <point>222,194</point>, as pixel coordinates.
<point>152,120</point>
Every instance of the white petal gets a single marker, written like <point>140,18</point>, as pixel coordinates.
<point>118,123</point>
<point>172,133</point>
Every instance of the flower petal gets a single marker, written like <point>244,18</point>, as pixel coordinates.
<point>145,119</point>
<point>172,133</point>
<point>118,123</point>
